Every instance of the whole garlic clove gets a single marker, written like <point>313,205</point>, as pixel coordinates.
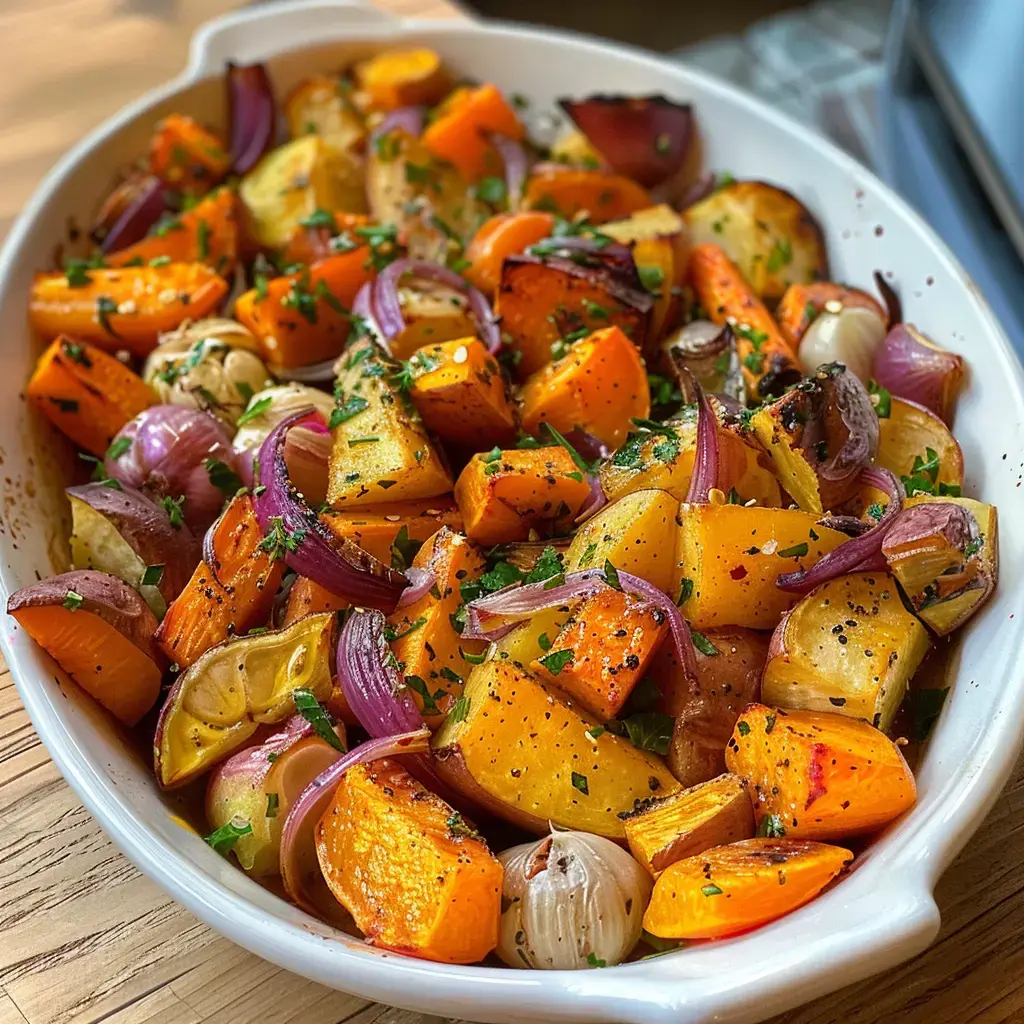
<point>851,336</point>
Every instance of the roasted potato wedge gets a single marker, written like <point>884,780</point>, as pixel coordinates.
<point>318,106</point>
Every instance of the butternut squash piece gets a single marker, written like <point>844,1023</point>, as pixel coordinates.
<point>127,307</point>
<point>569,191</point>
<point>426,644</point>
<point>386,528</point>
<point>100,631</point>
<point>319,106</point>
<point>306,597</point>
<point>636,534</point>
<point>301,319</point>
<point>672,828</point>
<point>459,133</point>
<point>801,303</point>
<point>381,451</point>
<point>743,885</point>
<point>849,647</point>
<point>819,776</point>
<point>324,234</point>
<point>603,651</point>
<point>504,495</point>
<point>459,391</point>
<point>214,607</point>
<point>187,157</point>
<point>505,234</point>
<point>414,877</point>
<point>729,557</point>
<point>600,385</point>
<point>515,747</point>
<point>86,393</point>
<point>403,78</point>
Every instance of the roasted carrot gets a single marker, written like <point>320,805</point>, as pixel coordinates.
<point>311,241</point>
<point>571,190</point>
<point>386,531</point>
<point>404,78</point>
<point>305,597</point>
<point>214,607</point>
<point>88,394</point>
<point>801,303</point>
<point>208,233</point>
<point>459,133</point>
<point>124,308</point>
<point>504,234</point>
<point>186,156</point>
<point>769,364</point>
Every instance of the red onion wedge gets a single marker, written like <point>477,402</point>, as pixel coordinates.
<point>252,115</point>
<point>914,368</point>
<point>491,617</point>
<point>893,306</point>
<point>406,119</point>
<point>706,462</point>
<point>144,203</point>
<point>420,582</point>
<point>300,869</point>
<point>308,547</point>
<point>646,138</point>
<point>388,309</point>
<point>513,156</point>
<point>858,553</point>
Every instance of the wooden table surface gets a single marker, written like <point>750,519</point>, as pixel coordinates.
<point>84,937</point>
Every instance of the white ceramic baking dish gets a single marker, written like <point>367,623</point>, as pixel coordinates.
<point>880,915</point>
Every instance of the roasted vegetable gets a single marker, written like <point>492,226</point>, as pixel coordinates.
<point>433,313</point>
<point>851,337</point>
<point>268,407</point>
<point>86,393</point>
<point>513,746</point>
<point>743,885</point>
<point>912,366</point>
<point>820,436</point>
<point>403,78</point>
<point>216,706</point>
<point>505,495</point>
<point>504,234</point>
<point>802,304</point>
<point>305,597</point>
<point>187,157</point>
<point>664,830</point>
<point>602,651</point>
<point>600,385</point>
<point>729,557</point>
<point>100,632</point>
<point>569,191</point>
<point>382,451</point>
<point>327,233</point>
<point>319,106</point>
<point>387,531</point>
<point>413,875</point>
<point>917,446</point>
<point>771,236</point>
<point>124,308</point>
<point>945,554</point>
<point>849,647</point>
<point>819,776</point>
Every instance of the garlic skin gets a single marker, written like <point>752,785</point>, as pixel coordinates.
<point>284,400</point>
<point>572,901</point>
<point>210,364</point>
<point>851,336</point>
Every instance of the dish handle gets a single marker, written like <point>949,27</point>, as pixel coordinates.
<point>255,33</point>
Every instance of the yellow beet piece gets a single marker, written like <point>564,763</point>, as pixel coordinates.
<point>729,557</point>
<point>413,876</point>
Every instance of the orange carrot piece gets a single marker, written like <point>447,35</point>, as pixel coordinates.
<point>802,302</point>
<point>768,362</point>
<point>213,608</point>
<point>186,156</point>
<point>459,133</point>
<point>307,598</point>
<point>572,190</point>
<point>125,307</point>
<point>404,78</point>
<point>86,393</point>
<point>505,234</point>
<point>743,885</point>
<point>311,243</point>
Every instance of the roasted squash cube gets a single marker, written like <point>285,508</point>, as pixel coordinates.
<point>387,530</point>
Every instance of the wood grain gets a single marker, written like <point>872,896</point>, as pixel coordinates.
<point>84,937</point>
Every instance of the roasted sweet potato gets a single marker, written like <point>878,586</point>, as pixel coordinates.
<point>729,557</point>
<point>415,878</point>
<point>217,705</point>
<point>569,191</point>
<point>230,601</point>
<point>603,650</point>
<point>636,534</point>
<point>458,135</point>
<point>403,78</point>
<point>385,529</point>
<point>705,709</point>
<point>426,643</point>
<point>849,647</point>
<point>515,747</point>
<point>124,308</point>
<point>504,234</point>
<point>320,106</point>
<point>908,435</point>
<point>100,632</point>
<point>733,888</point>
<point>803,302</point>
<point>541,303</point>
<point>766,232</point>
<point>459,391</point>
<point>599,385</point>
<point>664,830</point>
<point>303,318</point>
<point>382,451</point>
<point>86,393</point>
<point>819,776</point>
<point>186,156</point>
<point>434,313</point>
<point>504,495</point>
<point>306,597</point>
<point>769,365</point>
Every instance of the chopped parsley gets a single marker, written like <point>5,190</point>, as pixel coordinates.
<point>277,541</point>
<point>316,714</point>
<point>796,551</point>
<point>556,661</point>
<point>652,278</point>
<point>255,410</point>
<point>703,644</point>
<point>345,409</point>
<point>925,708</point>
<point>152,575</point>
<point>771,827</point>
<point>611,575</point>
<point>881,399</point>
<point>223,839</point>
<point>173,508</point>
<point>223,477</point>
<point>711,890</point>
<point>460,709</point>
<point>780,256</point>
<point>580,782</point>
<point>417,685</point>
<point>73,601</point>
